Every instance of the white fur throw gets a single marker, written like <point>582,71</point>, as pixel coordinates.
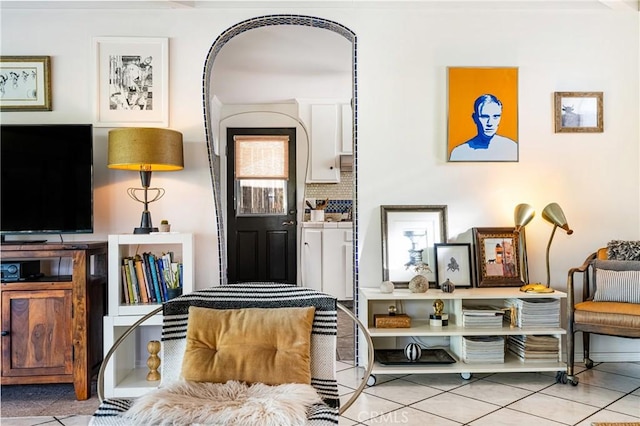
<point>231,403</point>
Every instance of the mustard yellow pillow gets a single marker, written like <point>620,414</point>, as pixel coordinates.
<point>252,345</point>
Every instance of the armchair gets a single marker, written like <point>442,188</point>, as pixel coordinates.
<point>225,310</point>
<point>610,300</point>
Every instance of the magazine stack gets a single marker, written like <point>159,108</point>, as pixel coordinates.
<point>534,348</point>
<point>543,312</point>
<point>488,349</point>
<point>482,316</point>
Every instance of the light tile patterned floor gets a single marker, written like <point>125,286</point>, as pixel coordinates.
<point>610,392</point>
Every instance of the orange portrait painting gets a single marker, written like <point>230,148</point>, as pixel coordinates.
<point>482,114</point>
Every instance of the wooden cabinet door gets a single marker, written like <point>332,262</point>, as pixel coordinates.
<point>37,333</point>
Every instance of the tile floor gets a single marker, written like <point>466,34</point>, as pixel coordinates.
<point>610,392</point>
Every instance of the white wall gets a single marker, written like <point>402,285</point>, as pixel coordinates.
<point>402,60</point>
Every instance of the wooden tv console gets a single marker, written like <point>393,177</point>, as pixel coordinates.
<point>51,323</point>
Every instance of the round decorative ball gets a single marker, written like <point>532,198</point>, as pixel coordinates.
<point>386,287</point>
<point>447,286</point>
<point>419,284</point>
<point>412,351</point>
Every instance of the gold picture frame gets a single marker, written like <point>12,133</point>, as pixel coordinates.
<point>578,112</point>
<point>25,83</point>
<point>498,257</point>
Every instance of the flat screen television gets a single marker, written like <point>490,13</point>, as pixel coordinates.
<point>46,182</point>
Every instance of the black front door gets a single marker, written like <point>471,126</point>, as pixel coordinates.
<point>261,212</point>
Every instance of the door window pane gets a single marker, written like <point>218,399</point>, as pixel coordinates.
<point>261,174</point>
<point>261,197</point>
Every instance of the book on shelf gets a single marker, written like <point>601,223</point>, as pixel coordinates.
<point>143,279</point>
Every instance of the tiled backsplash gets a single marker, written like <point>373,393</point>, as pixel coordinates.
<point>340,196</point>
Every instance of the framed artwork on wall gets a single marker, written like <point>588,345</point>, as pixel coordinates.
<point>482,114</point>
<point>409,234</point>
<point>498,260</point>
<point>453,262</point>
<point>132,81</point>
<point>25,83</point>
<point>578,112</point>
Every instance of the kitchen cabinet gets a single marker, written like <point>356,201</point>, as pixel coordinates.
<point>327,260</point>
<point>330,126</point>
<point>52,322</point>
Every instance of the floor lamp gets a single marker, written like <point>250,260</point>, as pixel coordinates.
<point>145,150</point>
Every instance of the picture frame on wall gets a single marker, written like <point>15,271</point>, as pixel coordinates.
<point>25,83</point>
<point>132,81</point>
<point>453,263</point>
<point>498,257</point>
<point>482,114</point>
<point>409,235</point>
<point>578,112</point>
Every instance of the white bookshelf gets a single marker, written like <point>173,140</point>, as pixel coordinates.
<point>125,375</point>
<point>420,305</point>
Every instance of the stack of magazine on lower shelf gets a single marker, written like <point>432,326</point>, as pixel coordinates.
<point>534,348</point>
<point>488,349</point>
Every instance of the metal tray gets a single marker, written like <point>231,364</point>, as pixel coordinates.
<point>397,357</point>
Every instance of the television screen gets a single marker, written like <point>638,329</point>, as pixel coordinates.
<point>47,179</point>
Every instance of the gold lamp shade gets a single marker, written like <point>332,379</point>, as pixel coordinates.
<point>553,213</point>
<point>145,150</point>
<point>148,149</point>
<point>522,215</point>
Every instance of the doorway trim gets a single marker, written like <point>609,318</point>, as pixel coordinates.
<point>213,154</point>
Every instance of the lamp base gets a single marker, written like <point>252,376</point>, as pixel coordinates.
<point>145,230</point>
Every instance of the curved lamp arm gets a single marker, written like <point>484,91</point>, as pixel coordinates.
<point>153,313</point>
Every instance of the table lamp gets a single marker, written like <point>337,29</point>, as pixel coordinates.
<point>522,215</point>
<point>553,213</point>
<point>145,150</point>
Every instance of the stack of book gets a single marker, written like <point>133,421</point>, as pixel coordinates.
<point>146,277</point>
<point>482,316</point>
<point>543,312</point>
<point>488,349</point>
<point>534,348</point>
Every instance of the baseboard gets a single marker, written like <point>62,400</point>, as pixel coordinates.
<point>609,357</point>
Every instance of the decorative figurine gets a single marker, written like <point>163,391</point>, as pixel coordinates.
<point>438,307</point>
<point>392,310</point>
<point>447,286</point>
<point>419,284</point>
<point>153,362</point>
<point>413,351</point>
<point>387,287</point>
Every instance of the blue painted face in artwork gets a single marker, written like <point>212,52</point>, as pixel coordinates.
<point>487,118</point>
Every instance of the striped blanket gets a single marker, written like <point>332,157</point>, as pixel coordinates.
<point>248,295</point>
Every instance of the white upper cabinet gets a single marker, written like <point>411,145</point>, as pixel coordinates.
<point>330,127</point>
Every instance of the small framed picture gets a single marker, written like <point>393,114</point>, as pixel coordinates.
<point>453,263</point>
<point>578,112</point>
<point>409,234</point>
<point>25,83</point>
<point>132,81</point>
<point>498,257</point>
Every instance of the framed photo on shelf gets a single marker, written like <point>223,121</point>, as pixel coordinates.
<point>453,262</point>
<point>409,234</point>
<point>578,112</point>
<point>25,83</point>
<point>498,258</point>
<point>132,81</point>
